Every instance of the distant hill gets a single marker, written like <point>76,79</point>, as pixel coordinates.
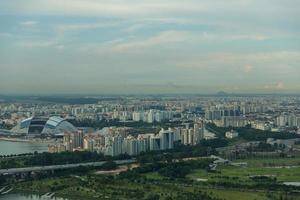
<point>222,93</point>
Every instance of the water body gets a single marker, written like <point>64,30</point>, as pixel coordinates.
<point>26,197</point>
<point>9,147</point>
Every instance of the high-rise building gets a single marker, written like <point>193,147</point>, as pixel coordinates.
<point>130,146</point>
<point>88,144</point>
<point>166,139</point>
<point>198,132</point>
<point>137,116</point>
<point>73,140</point>
<point>77,138</point>
<point>155,143</point>
<point>150,117</point>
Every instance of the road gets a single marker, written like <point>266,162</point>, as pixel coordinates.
<point>54,167</point>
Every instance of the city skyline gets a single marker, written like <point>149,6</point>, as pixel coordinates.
<point>143,47</point>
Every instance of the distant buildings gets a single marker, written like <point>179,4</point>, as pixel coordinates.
<point>216,112</point>
<point>73,140</point>
<point>290,120</point>
<point>152,116</point>
<point>142,143</point>
<point>116,141</point>
<point>232,121</point>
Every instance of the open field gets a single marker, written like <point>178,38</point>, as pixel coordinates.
<point>284,170</point>
<point>237,174</point>
<point>231,194</point>
<point>268,162</point>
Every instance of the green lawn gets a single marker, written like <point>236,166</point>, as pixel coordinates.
<point>264,162</point>
<point>282,174</point>
<point>236,174</point>
<point>231,195</point>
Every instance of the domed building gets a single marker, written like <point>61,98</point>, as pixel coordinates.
<point>44,125</point>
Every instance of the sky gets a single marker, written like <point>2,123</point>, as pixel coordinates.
<point>149,46</point>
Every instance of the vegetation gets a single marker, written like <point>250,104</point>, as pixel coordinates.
<point>250,134</point>
<point>171,170</point>
<point>264,147</point>
<point>170,175</point>
<point>46,158</point>
<point>115,122</point>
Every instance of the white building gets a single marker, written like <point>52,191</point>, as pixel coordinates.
<point>167,138</point>
<point>231,134</point>
<point>130,146</point>
<point>137,116</point>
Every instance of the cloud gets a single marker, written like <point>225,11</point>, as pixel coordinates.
<point>5,34</point>
<point>100,7</point>
<point>134,28</point>
<point>231,43</point>
<point>247,37</point>
<point>29,23</point>
<point>275,86</point>
<point>160,39</point>
<point>137,44</point>
<point>83,26</point>
<point>275,57</point>
<point>248,68</point>
<point>38,44</point>
<point>279,86</point>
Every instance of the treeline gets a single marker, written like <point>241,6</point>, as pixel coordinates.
<point>63,158</point>
<point>260,135</point>
<point>250,134</point>
<point>115,122</point>
<point>46,158</point>
<point>173,170</point>
<point>180,151</point>
<point>265,147</point>
<point>69,100</point>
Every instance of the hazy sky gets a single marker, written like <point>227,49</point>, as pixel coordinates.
<point>149,46</point>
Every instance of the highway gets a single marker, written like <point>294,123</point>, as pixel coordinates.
<point>54,167</point>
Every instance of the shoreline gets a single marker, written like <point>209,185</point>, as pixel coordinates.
<point>8,139</point>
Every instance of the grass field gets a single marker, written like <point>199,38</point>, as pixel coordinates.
<point>231,194</point>
<point>265,162</point>
<point>256,167</point>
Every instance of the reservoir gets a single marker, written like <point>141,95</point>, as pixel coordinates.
<point>25,197</point>
<point>10,147</point>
